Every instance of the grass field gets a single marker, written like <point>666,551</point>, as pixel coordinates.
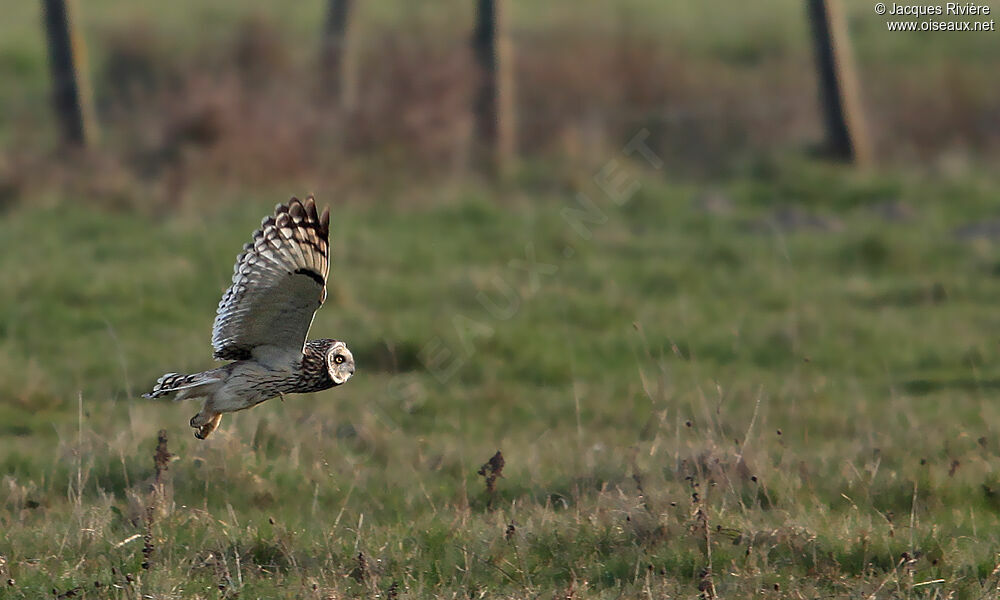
<point>745,375</point>
<point>780,386</point>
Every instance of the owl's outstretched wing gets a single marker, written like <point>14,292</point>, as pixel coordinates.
<point>278,283</point>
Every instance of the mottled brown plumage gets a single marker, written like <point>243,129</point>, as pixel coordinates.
<point>263,318</point>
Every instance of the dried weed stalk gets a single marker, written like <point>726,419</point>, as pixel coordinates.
<point>161,461</point>
<point>492,469</point>
<point>706,585</point>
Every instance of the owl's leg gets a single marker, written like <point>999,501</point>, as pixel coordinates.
<point>205,422</point>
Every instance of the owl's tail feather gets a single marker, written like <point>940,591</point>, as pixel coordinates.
<point>190,386</point>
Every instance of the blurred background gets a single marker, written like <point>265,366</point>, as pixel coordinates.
<point>639,246</point>
<point>336,92</point>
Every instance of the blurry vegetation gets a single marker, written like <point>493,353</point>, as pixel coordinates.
<point>761,376</point>
<point>231,93</point>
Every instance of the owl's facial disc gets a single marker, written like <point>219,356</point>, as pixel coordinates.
<point>339,363</point>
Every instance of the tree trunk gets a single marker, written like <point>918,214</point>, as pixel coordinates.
<point>334,51</point>
<point>494,105</point>
<point>70,87</point>
<point>840,95</point>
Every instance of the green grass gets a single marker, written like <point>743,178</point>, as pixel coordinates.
<point>829,397</point>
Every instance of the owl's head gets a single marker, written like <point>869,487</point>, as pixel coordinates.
<point>339,362</point>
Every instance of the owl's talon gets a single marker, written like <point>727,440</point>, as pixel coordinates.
<point>205,424</point>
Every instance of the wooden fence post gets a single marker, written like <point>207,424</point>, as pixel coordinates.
<point>494,106</point>
<point>846,133</point>
<point>334,51</point>
<point>70,86</point>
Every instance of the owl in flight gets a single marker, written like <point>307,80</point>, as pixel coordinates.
<point>278,283</point>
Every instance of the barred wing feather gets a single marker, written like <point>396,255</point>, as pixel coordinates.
<point>278,283</point>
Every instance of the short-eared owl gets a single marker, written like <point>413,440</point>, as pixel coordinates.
<point>263,318</point>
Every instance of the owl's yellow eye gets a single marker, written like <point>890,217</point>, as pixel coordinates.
<point>338,359</point>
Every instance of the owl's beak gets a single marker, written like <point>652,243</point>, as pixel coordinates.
<point>347,373</point>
